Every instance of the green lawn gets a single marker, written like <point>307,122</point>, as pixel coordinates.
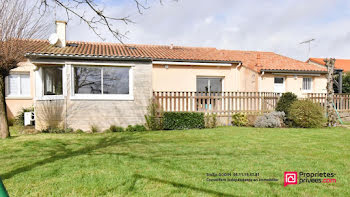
<point>174,163</point>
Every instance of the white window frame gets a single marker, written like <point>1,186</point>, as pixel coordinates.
<point>20,95</point>
<point>129,96</point>
<point>40,84</point>
<point>302,85</point>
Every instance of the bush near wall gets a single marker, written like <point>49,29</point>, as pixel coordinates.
<point>306,114</point>
<point>270,120</point>
<point>183,120</point>
<point>239,120</point>
<point>285,102</point>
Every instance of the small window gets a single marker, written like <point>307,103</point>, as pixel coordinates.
<point>103,80</point>
<point>279,80</point>
<point>52,77</point>
<point>307,84</point>
<point>18,85</point>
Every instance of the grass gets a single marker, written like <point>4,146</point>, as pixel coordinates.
<point>174,163</point>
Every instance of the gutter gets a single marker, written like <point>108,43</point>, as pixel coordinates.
<point>291,71</point>
<point>190,63</point>
<point>197,61</point>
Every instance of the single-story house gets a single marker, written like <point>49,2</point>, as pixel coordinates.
<point>80,84</point>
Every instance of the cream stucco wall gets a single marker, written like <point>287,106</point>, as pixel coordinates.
<point>248,80</point>
<point>293,84</point>
<point>183,78</point>
<point>15,104</point>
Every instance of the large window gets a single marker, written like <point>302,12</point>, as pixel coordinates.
<point>52,78</point>
<point>18,85</point>
<point>101,80</point>
<point>307,83</point>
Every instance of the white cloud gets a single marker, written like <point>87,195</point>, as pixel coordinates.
<point>273,25</point>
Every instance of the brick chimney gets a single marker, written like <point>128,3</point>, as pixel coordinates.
<point>61,33</point>
<point>258,64</point>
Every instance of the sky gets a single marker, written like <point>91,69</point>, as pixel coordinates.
<point>269,25</point>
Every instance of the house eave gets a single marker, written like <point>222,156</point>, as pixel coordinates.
<point>293,71</point>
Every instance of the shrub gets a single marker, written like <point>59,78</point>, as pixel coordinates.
<point>69,130</point>
<point>239,120</point>
<point>306,114</point>
<point>79,131</point>
<point>94,129</point>
<point>285,102</point>
<point>270,120</point>
<point>211,121</point>
<point>19,120</point>
<point>183,120</point>
<point>10,121</point>
<point>140,128</point>
<point>114,128</point>
<point>57,130</point>
<point>136,128</point>
<point>153,117</point>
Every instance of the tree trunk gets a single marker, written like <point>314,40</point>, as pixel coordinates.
<point>4,128</point>
<point>331,115</point>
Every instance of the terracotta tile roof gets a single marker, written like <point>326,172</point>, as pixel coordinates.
<point>253,59</point>
<point>339,63</point>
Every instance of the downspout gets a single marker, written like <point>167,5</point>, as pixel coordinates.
<point>340,82</point>
<point>260,79</point>
<point>238,75</point>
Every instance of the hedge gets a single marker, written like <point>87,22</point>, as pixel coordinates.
<point>183,120</point>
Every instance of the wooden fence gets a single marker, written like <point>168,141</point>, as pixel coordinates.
<point>223,104</point>
<point>341,101</point>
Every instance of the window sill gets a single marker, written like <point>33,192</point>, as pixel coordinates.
<point>306,91</point>
<point>48,98</point>
<point>103,97</point>
<point>18,97</point>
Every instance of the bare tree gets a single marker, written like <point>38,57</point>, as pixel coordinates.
<point>331,115</point>
<point>17,23</point>
<point>93,14</point>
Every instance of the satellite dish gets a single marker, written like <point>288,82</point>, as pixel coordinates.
<point>53,39</point>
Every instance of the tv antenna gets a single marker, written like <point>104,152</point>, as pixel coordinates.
<point>308,42</point>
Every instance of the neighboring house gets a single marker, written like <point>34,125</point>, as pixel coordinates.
<point>340,66</point>
<point>20,89</point>
<point>80,84</point>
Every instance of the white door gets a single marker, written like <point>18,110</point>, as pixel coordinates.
<point>279,85</point>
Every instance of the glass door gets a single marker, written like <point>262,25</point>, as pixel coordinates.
<point>207,88</point>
